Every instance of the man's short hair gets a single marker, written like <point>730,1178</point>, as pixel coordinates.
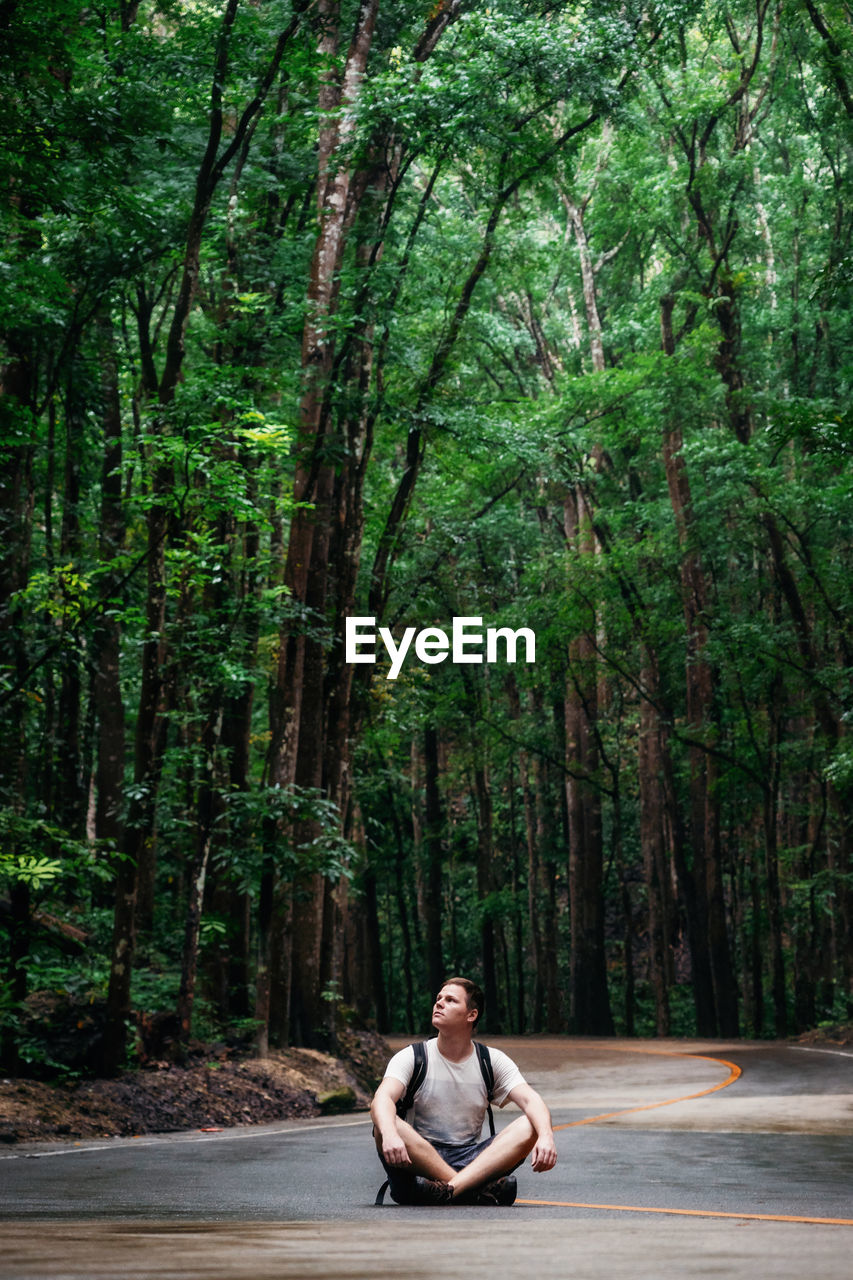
<point>474,996</point>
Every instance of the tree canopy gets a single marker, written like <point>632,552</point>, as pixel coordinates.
<point>535,313</point>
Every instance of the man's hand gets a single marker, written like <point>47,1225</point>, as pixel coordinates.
<point>394,1149</point>
<point>544,1154</point>
<point>383,1111</point>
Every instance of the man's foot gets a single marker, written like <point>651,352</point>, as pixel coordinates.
<point>431,1191</point>
<point>500,1192</point>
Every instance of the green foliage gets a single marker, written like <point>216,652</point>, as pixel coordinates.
<point>25,848</point>
<point>730,199</point>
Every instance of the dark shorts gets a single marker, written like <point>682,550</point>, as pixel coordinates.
<point>459,1156</point>
<point>400,1183</point>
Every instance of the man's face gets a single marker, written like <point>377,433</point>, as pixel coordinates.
<point>450,1011</point>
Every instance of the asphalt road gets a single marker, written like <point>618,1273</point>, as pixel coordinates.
<point>675,1160</point>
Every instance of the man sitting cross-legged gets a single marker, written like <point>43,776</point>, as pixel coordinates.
<point>435,1155</point>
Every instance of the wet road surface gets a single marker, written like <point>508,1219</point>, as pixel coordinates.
<point>682,1160</point>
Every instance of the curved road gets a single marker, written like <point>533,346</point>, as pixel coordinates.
<point>676,1159</point>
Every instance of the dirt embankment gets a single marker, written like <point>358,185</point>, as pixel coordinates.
<point>214,1088</point>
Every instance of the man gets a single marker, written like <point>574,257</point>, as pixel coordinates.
<point>435,1155</point>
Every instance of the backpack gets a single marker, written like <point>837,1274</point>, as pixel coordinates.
<point>418,1075</point>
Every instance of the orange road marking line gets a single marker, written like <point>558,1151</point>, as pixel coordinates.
<point>694,1213</point>
<point>734,1073</point>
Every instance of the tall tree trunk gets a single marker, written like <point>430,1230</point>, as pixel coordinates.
<point>520,1002</point>
<point>588,973</point>
<point>494,1018</point>
<point>757,952</point>
<point>653,844</point>
<point>831,729</point>
<point>17,505</point>
<point>629,1003</point>
<point>536,964</point>
<point>139,843</point>
<point>402,907</point>
<point>547,841</point>
<point>590,1000</point>
<point>712,932</point>
<point>524,1019</point>
<point>16,971</point>
<point>149,749</point>
<point>198,874</point>
<point>106,641</point>
<point>70,800</point>
<point>211,705</point>
<point>770,815</point>
<point>232,962</point>
<point>297,711</point>
<point>367,991</point>
<point>433,830</point>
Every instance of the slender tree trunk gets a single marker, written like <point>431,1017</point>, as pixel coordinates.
<point>831,728</point>
<point>266,920</point>
<point>372,946</point>
<point>775,912</point>
<point>70,800</point>
<point>533,914</point>
<point>150,744</point>
<point>402,908</point>
<point>18,390</point>
<point>547,843</point>
<point>297,711</point>
<point>416,809</point>
<point>308,1014</point>
<point>757,956</point>
<point>804,826</point>
<point>535,964</point>
<point>106,642</point>
<point>16,970</point>
<point>653,843</point>
<point>518,920</point>
<point>629,1003</point>
<point>232,964</point>
<point>712,932</point>
<point>434,827</point>
<point>588,974</point>
<point>206,814</point>
<point>485,857</point>
<point>590,1000</point>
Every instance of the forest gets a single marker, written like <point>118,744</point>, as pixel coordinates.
<point>535,313</point>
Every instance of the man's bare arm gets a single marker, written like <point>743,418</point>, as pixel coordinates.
<point>544,1153</point>
<point>383,1111</point>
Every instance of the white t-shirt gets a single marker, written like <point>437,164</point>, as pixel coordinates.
<point>450,1105</point>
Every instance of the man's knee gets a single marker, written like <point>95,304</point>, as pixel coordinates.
<point>522,1133</point>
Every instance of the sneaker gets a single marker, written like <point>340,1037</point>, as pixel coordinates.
<point>431,1191</point>
<point>500,1192</point>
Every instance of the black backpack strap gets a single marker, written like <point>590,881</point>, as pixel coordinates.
<point>405,1104</point>
<point>380,1194</point>
<point>488,1079</point>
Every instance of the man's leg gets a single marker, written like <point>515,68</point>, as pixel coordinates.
<point>507,1151</point>
<point>425,1159</point>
